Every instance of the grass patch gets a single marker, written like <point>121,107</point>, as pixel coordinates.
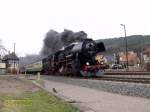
<point>39,101</point>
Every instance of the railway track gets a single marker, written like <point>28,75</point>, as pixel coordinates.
<point>143,80</point>
<point>126,79</point>
<point>126,73</point>
<point>131,76</point>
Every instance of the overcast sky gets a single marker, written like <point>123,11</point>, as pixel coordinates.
<point>26,22</point>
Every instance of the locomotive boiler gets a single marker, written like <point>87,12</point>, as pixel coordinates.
<point>77,59</point>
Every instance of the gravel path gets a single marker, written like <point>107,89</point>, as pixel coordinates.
<point>91,100</point>
<point>124,88</point>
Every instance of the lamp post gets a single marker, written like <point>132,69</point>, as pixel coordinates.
<point>126,45</point>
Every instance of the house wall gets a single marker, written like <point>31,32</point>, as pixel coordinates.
<point>10,66</point>
<point>132,58</point>
<point>2,68</point>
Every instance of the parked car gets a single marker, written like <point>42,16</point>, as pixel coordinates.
<point>117,66</point>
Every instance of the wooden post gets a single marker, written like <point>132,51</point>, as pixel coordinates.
<point>38,76</point>
<point>26,74</point>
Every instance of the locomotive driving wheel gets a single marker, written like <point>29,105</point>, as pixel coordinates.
<point>61,69</point>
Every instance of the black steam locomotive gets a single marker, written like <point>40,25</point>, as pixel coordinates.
<point>78,59</point>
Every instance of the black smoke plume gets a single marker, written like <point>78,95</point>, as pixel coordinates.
<point>55,40</point>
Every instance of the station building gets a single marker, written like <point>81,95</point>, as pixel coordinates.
<point>12,63</point>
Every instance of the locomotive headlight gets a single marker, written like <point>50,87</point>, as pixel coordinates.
<point>102,63</point>
<point>87,63</point>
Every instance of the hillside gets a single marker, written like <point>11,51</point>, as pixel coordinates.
<point>135,43</point>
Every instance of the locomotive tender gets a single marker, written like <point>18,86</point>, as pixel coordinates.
<point>77,59</point>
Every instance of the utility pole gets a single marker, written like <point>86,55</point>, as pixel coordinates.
<point>126,45</point>
<point>14,55</point>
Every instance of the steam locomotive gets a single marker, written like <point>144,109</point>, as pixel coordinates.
<point>77,59</point>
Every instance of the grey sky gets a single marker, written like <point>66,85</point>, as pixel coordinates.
<point>26,22</point>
